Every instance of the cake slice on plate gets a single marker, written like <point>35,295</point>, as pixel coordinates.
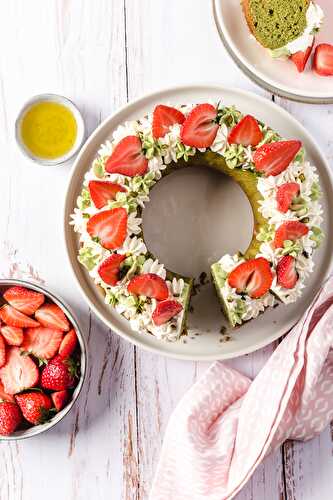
<point>286,28</point>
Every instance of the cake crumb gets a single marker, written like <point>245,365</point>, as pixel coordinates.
<point>203,278</point>
<point>225,338</point>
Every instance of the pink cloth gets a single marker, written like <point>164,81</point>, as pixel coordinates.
<point>227,424</point>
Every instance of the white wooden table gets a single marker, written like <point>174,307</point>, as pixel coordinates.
<point>102,53</point>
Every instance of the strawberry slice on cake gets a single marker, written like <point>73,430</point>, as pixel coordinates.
<point>127,158</point>
<point>163,118</point>
<point>109,227</point>
<point>109,269</point>
<point>285,195</point>
<point>149,285</point>
<point>291,231</point>
<point>286,272</point>
<point>253,277</point>
<point>101,192</point>
<point>274,158</point>
<point>165,311</point>
<point>246,132</point>
<point>200,128</point>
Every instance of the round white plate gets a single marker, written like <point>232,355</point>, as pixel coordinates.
<point>193,218</point>
<point>279,77</point>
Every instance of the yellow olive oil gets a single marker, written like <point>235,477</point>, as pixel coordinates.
<point>48,130</point>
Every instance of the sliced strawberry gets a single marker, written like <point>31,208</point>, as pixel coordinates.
<point>300,58</point>
<point>166,310</point>
<point>247,132</point>
<point>323,60</point>
<point>274,158</point>
<point>286,272</point>
<point>253,277</point>
<point>34,406</point>
<point>110,267</point>
<point>52,316</point>
<point>200,128</point>
<point>110,227</point>
<point>59,399</point>
<point>163,118</point>
<point>12,335</point>
<point>19,372</point>
<point>285,195</point>
<point>150,285</point>
<point>4,396</point>
<point>291,230</point>
<point>42,342</point>
<point>102,191</point>
<point>127,158</point>
<point>10,418</point>
<point>24,300</point>
<point>12,317</point>
<point>68,344</point>
<point>2,352</point>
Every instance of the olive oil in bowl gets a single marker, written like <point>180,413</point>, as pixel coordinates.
<point>50,129</point>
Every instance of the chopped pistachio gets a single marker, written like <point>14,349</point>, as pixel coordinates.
<point>88,258</point>
<point>230,116</point>
<point>317,235</point>
<point>84,200</point>
<point>315,191</point>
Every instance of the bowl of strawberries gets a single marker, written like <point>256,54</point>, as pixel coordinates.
<point>43,358</point>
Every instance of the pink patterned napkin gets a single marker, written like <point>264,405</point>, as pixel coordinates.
<point>226,424</point>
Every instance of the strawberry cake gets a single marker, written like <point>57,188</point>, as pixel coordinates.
<point>280,183</point>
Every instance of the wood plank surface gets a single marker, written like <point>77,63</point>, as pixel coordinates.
<point>102,54</point>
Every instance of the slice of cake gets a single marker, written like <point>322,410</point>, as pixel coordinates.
<point>284,27</point>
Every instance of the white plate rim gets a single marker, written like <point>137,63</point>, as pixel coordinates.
<point>67,230</point>
<point>250,72</point>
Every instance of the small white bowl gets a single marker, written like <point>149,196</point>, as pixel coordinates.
<point>39,429</point>
<point>79,122</point>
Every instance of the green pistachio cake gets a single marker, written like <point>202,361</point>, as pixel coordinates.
<point>284,27</point>
<point>282,188</point>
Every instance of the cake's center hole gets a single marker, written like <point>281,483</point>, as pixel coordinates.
<point>195,216</point>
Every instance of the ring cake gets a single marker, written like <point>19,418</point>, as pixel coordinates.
<point>282,188</point>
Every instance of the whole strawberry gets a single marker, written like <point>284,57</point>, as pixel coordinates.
<point>59,374</point>
<point>10,418</point>
<point>35,406</point>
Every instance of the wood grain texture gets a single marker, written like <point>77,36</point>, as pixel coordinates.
<point>102,54</point>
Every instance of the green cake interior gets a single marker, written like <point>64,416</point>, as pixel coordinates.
<point>277,22</point>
